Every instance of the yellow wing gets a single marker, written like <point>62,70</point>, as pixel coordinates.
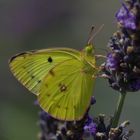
<point>66,91</point>
<point>31,67</point>
<point>61,78</point>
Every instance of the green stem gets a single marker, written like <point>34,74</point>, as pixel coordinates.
<point>118,111</point>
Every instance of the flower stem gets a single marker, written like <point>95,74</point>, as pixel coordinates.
<point>118,111</point>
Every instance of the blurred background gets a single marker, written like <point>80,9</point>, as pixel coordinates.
<point>37,24</point>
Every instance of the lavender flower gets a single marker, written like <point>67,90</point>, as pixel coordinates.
<point>112,61</point>
<point>122,68</point>
<point>123,62</point>
<point>127,15</point>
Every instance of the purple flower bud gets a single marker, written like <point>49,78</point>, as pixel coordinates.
<point>90,128</point>
<point>43,115</point>
<point>112,62</point>
<point>134,85</point>
<point>128,58</point>
<point>126,17</point>
<point>63,130</point>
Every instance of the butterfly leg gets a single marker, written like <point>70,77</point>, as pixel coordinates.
<point>100,56</point>
<point>100,76</point>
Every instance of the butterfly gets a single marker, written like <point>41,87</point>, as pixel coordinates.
<point>61,78</point>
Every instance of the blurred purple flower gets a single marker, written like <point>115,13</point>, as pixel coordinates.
<point>126,17</point>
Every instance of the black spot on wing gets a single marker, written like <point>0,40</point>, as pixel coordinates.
<point>39,81</point>
<point>51,73</point>
<point>50,60</point>
<point>62,87</point>
<point>32,76</point>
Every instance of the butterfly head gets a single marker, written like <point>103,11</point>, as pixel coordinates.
<point>89,49</point>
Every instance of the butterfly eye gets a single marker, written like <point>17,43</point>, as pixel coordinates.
<point>50,59</point>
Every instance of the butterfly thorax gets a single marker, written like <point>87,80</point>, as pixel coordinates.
<point>89,55</point>
<point>88,58</point>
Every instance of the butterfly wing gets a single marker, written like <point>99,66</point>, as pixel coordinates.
<point>31,67</point>
<point>66,91</point>
<point>59,77</point>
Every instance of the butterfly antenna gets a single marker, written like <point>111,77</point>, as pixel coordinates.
<point>91,35</point>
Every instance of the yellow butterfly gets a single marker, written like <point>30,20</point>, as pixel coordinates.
<point>61,78</point>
